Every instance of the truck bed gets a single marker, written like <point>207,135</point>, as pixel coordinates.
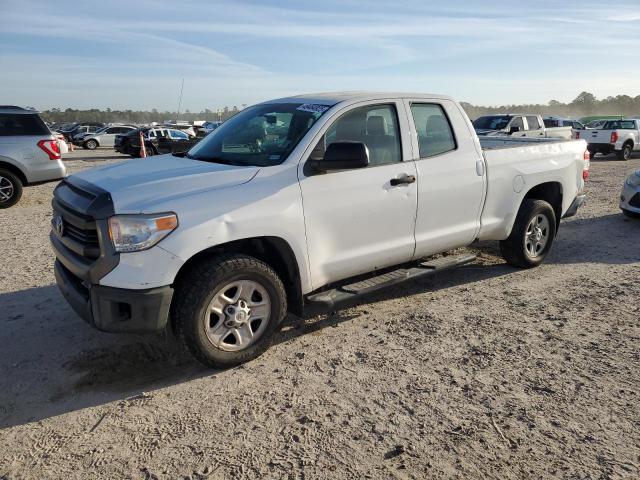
<point>513,165</point>
<point>498,143</point>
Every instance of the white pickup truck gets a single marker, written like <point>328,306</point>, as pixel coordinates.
<point>619,136</point>
<point>316,198</point>
<point>519,125</point>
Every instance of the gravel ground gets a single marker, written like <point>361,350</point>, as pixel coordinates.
<point>481,372</point>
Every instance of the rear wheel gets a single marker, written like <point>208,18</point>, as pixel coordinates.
<point>91,144</point>
<point>10,189</point>
<point>625,153</point>
<point>532,235</point>
<point>227,309</point>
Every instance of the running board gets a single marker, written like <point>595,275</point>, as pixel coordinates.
<point>329,298</point>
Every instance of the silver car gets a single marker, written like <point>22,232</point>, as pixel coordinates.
<point>29,153</point>
<point>104,137</point>
<point>630,196</point>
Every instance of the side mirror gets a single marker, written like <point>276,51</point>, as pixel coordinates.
<point>343,156</point>
<point>514,129</point>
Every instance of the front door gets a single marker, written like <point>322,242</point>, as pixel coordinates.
<point>451,177</point>
<point>359,220</point>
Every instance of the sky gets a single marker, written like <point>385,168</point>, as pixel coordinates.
<point>133,54</point>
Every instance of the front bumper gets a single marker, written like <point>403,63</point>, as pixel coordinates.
<point>575,205</point>
<point>630,199</point>
<point>115,310</point>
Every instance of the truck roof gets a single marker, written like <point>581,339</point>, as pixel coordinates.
<point>332,98</point>
<point>12,109</point>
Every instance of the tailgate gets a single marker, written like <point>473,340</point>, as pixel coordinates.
<point>596,136</point>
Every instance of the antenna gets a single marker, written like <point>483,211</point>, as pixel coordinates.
<point>180,101</point>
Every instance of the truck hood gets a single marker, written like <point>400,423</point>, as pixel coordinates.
<point>137,185</point>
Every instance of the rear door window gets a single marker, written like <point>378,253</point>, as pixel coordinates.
<point>533,122</point>
<point>435,135</point>
<point>22,124</point>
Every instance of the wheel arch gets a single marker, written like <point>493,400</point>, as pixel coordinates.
<point>550,192</point>
<point>274,251</point>
<point>15,170</point>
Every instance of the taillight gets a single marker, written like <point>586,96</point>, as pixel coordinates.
<point>577,135</point>
<point>587,164</point>
<point>51,148</point>
<point>614,137</point>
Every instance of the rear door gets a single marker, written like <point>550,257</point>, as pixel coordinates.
<point>107,139</point>
<point>451,176</point>
<point>533,127</point>
<point>356,220</point>
<point>517,122</point>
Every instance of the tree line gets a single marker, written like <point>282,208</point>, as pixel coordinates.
<point>585,104</point>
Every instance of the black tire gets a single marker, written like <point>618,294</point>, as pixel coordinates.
<point>90,144</point>
<point>592,153</point>
<point>625,153</point>
<point>11,187</point>
<point>514,249</point>
<point>151,151</point>
<point>630,214</point>
<point>197,289</point>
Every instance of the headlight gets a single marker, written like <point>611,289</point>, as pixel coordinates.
<point>132,233</point>
<point>633,180</point>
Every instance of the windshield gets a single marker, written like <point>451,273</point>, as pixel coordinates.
<point>493,122</point>
<point>262,135</point>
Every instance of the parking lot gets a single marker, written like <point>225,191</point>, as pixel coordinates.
<point>485,371</point>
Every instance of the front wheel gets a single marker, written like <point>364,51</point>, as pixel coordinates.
<point>625,153</point>
<point>228,308</point>
<point>91,145</point>
<point>10,189</point>
<point>532,235</point>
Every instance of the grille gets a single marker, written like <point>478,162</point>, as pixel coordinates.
<point>86,237</point>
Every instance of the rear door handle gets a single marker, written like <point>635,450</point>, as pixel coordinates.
<point>406,179</point>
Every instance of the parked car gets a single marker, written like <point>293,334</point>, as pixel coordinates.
<point>157,140</point>
<point>287,202</point>
<point>555,122</point>
<point>29,153</point>
<point>104,137</point>
<point>630,196</point>
<point>517,125</point>
<point>596,124</point>
<point>81,129</point>
<point>209,127</point>
<point>621,137</point>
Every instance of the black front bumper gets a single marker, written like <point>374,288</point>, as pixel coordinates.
<point>115,309</point>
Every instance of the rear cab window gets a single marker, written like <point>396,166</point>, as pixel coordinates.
<point>22,125</point>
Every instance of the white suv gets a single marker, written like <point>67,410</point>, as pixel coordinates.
<point>105,137</point>
<point>29,153</point>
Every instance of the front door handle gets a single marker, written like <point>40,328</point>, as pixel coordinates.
<point>406,179</point>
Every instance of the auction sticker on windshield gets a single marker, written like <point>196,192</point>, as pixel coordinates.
<point>313,108</point>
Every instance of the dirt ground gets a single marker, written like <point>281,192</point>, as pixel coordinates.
<point>481,372</point>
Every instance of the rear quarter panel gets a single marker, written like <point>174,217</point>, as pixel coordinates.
<point>512,172</point>
<point>23,153</point>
